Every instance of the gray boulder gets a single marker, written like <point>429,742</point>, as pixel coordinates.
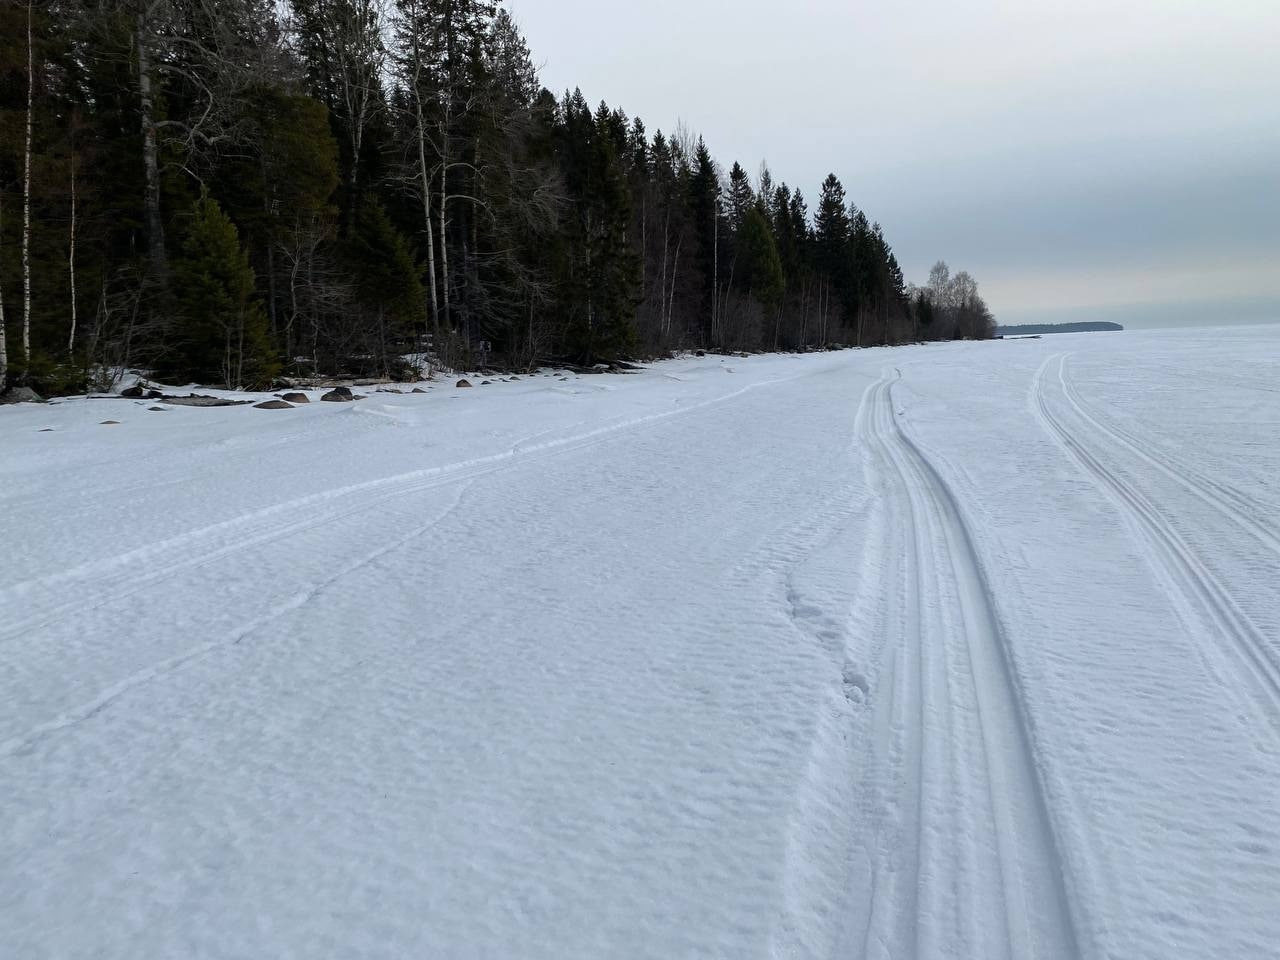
<point>273,405</point>
<point>463,383</point>
<point>197,400</point>
<point>296,398</point>
<point>21,395</point>
<point>338,395</point>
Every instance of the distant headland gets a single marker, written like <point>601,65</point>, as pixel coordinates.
<point>1035,329</point>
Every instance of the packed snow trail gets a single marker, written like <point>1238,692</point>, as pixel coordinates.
<point>950,651</point>
<point>1191,583</point>
<point>975,807</point>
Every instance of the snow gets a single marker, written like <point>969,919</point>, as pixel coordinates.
<point>966,650</point>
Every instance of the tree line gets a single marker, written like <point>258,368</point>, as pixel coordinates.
<point>227,191</point>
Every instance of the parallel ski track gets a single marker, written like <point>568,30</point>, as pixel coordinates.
<point>1033,894</point>
<point>371,495</point>
<point>93,585</point>
<point>1231,503</point>
<point>1184,571</point>
<point>897,765</point>
<point>25,741</point>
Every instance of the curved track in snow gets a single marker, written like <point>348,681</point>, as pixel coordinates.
<point>1192,585</point>
<point>1236,506</point>
<point>966,664</point>
<point>90,586</point>
<point>969,866</point>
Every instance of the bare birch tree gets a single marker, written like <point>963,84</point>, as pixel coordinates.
<point>71,258</point>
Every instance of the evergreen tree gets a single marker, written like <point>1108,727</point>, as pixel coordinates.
<point>741,197</point>
<point>600,276</point>
<point>766,194</point>
<point>387,278</point>
<point>389,168</point>
<point>704,210</point>
<point>222,337</point>
<point>831,229</point>
<point>760,264</point>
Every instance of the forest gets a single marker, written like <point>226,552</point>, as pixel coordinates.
<point>232,192</point>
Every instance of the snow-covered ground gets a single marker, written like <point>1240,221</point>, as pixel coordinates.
<point>965,650</point>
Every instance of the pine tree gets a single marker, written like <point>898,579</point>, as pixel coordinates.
<point>766,194</point>
<point>831,229</point>
<point>759,262</point>
<point>387,277</point>
<point>741,196</point>
<point>223,332</point>
<point>600,273</point>
<point>512,63</point>
<point>704,209</point>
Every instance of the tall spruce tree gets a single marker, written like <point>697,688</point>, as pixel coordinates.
<point>741,196</point>
<point>222,334</point>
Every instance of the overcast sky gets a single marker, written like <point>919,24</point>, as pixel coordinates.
<point>1079,157</point>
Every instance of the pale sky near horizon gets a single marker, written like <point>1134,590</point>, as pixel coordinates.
<point>1078,158</point>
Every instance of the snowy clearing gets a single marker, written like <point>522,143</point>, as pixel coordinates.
<point>966,650</point>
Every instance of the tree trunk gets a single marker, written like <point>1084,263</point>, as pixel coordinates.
<point>644,241</point>
<point>715,269</point>
<point>71,260</point>
<point>444,239</point>
<point>4,342</point>
<point>675,269</point>
<point>804,314</point>
<point>269,206</point>
<point>26,208</point>
<point>293,307</point>
<point>150,155</point>
<point>272,310</point>
<point>425,176</point>
<point>662,285</point>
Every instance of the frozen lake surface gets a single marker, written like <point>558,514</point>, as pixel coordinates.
<point>964,650</point>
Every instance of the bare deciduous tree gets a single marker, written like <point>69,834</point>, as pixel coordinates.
<point>71,258</point>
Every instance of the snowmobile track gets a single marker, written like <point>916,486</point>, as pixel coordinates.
<point>94,584</point>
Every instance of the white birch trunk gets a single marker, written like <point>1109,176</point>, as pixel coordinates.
<point>444,242</point>
<point>425,176</point>
<point>71,260</point>
<point>675,270</point>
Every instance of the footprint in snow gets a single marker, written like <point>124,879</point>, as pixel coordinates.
<point>856,688</point>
